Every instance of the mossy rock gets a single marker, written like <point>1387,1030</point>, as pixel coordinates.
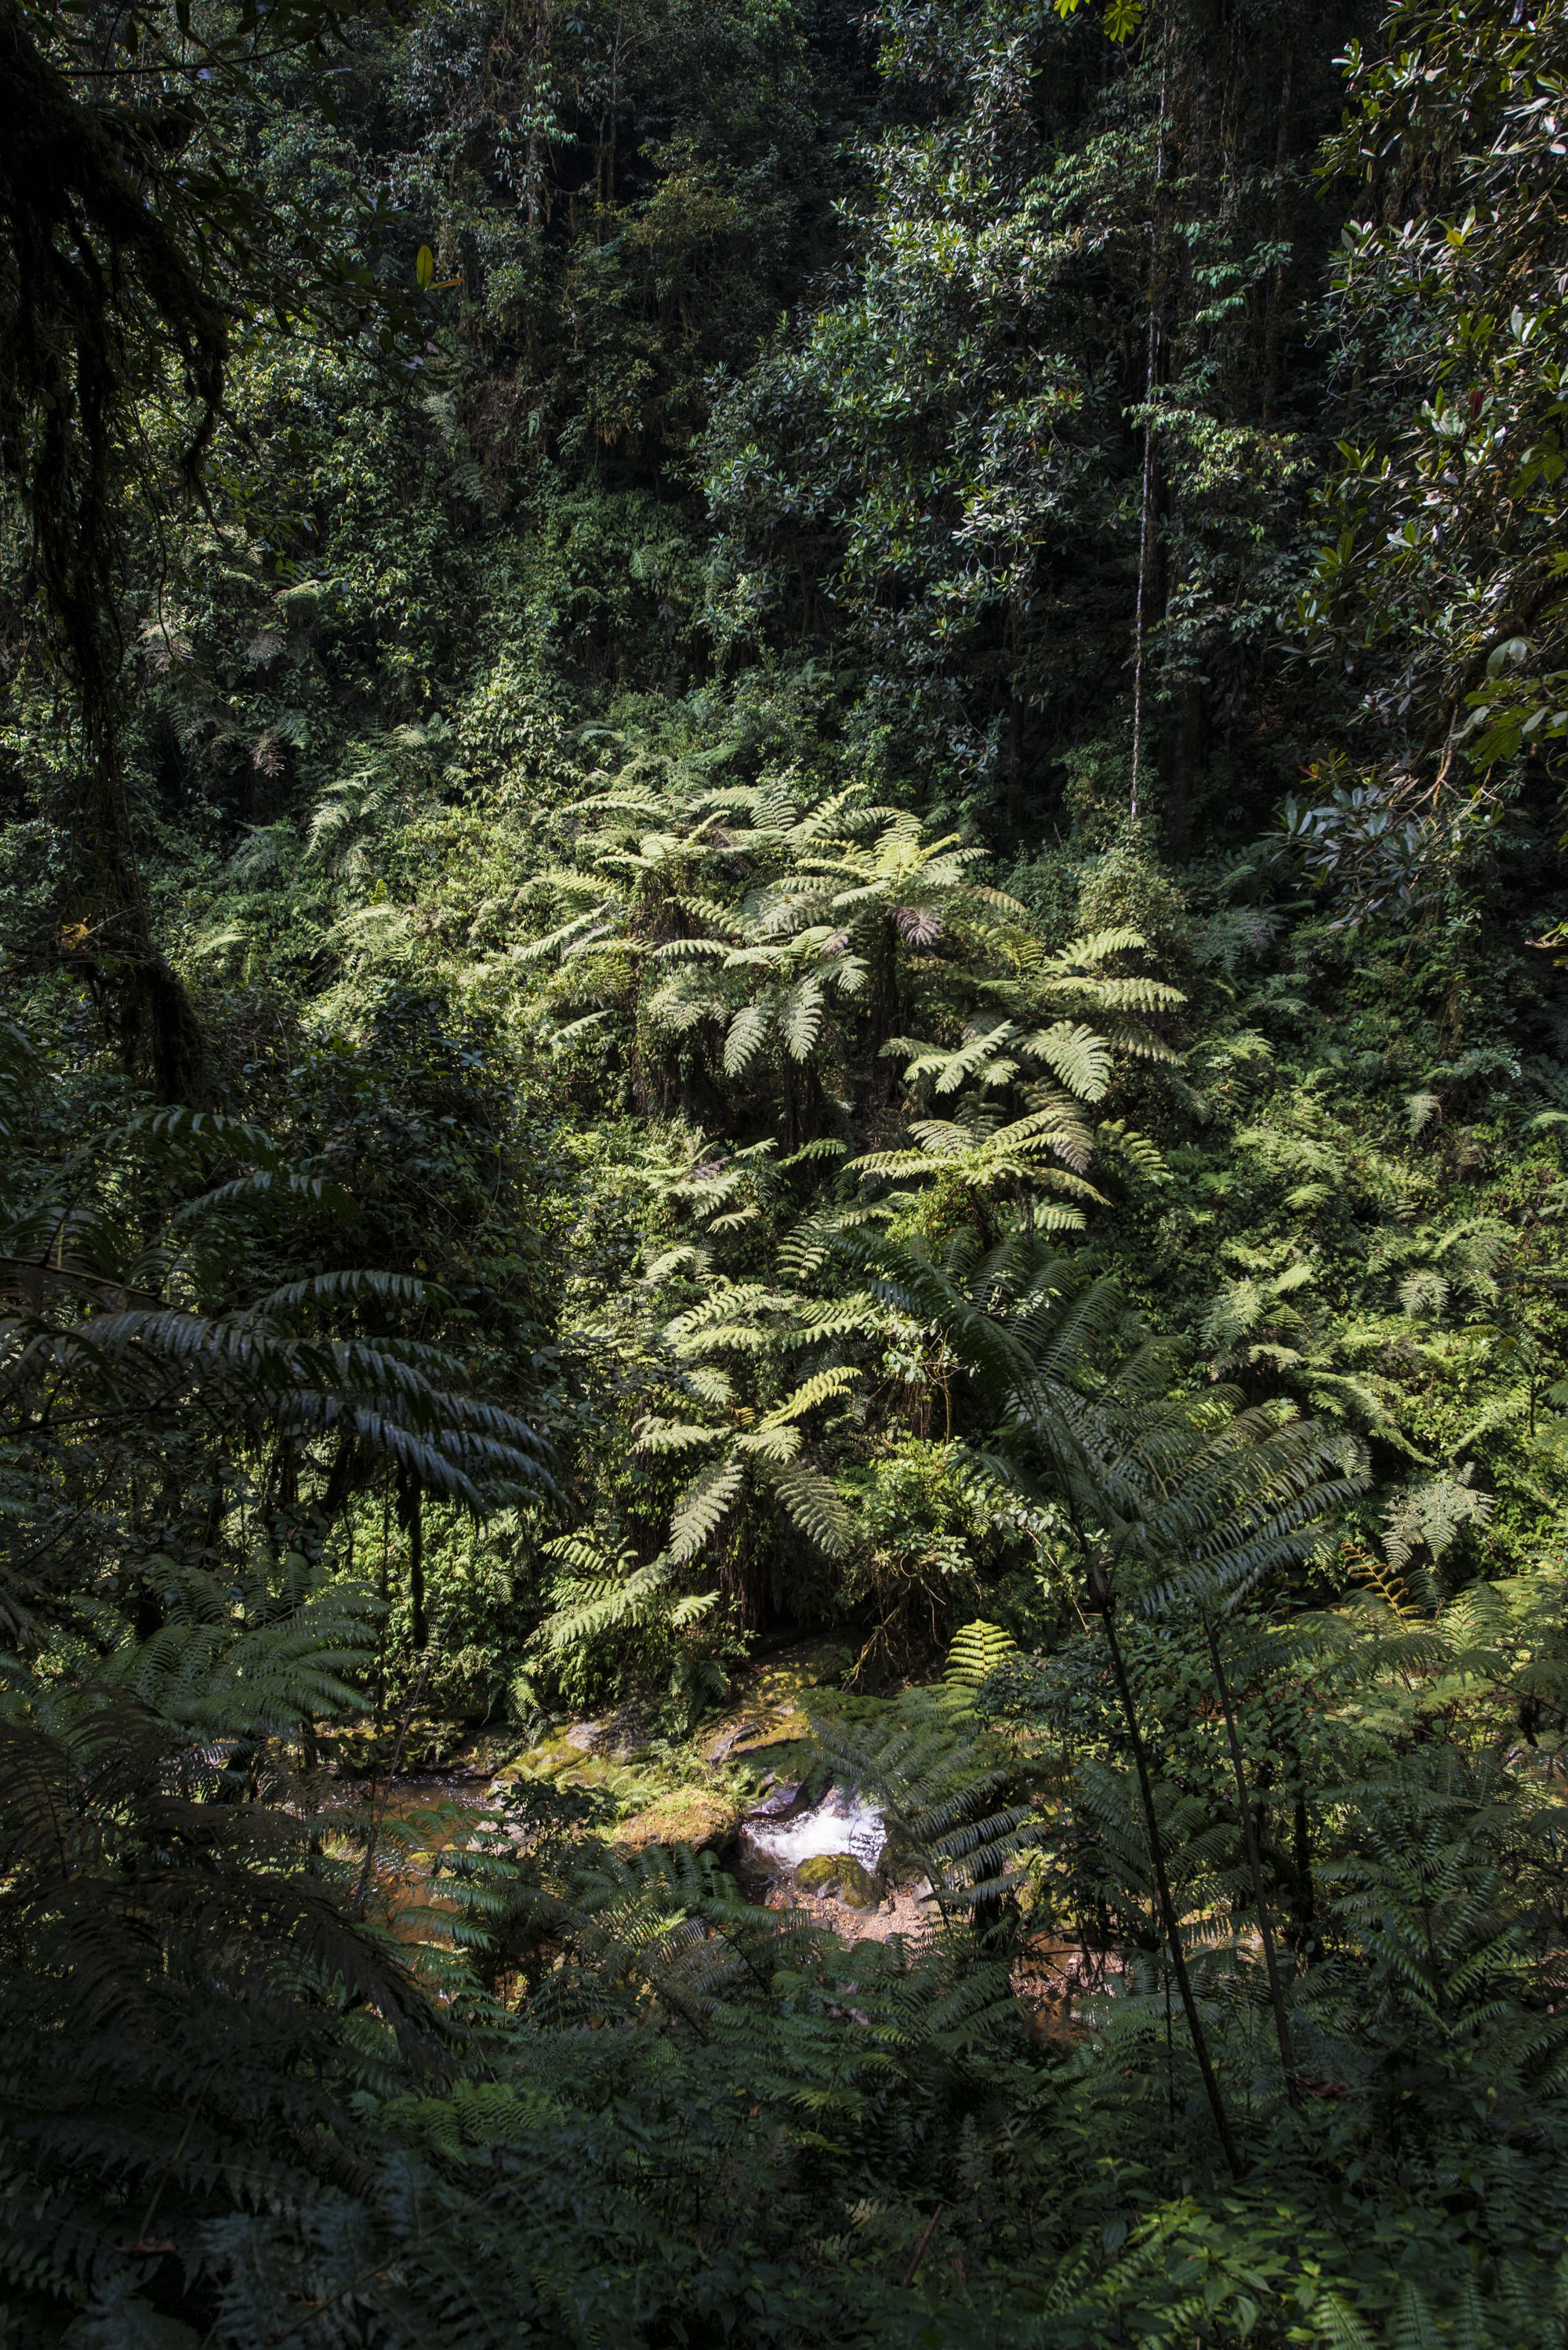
<point>786,1758</point>
<point>839,1873</point>
<point>694,1815</point>
<point>544,1762</point>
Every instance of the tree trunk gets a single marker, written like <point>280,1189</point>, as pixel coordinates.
<point>1254,1863</point>
<point>1103,1601</point>
<point>411,1517</point>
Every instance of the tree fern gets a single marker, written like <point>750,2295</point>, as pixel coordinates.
<point>755,945</point>
<point>605,1595</point>
<point>756,1437</point>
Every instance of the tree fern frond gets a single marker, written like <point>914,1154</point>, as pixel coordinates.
<point>702,1506</point>
<point>747,1034</point>
<point>655,1436</point>
<point>814,1503</point>
<point>822,1387</point>
<point>1078,1057</point>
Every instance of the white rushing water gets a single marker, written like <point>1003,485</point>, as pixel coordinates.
<point>840,1823</point>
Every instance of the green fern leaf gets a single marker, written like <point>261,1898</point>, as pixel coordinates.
<point>703,1507</point>
<point>976,1651</point>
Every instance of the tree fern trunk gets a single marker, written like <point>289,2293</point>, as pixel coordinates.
<point>1254,1864</point>
<point>411,1517</point>
<point>1162,1886</point>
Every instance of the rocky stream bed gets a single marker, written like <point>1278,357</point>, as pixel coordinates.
<point>747,1787</point>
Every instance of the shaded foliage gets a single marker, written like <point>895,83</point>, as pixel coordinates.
<point>841,736</point>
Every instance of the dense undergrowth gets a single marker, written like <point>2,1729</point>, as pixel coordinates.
<point>780,885</point>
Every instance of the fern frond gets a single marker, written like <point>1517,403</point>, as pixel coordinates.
<point>657,1436</point>
<point>975,1652</point>
<point>814,1503</point>
<point>703,1507</point>
<point>1079,1057</point>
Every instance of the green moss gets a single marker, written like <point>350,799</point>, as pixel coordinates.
<point>693,1816</point>
<point>839,1873</point>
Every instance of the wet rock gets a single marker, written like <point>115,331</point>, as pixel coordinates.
<point>727,1738</point>
<point>778,1801</point>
